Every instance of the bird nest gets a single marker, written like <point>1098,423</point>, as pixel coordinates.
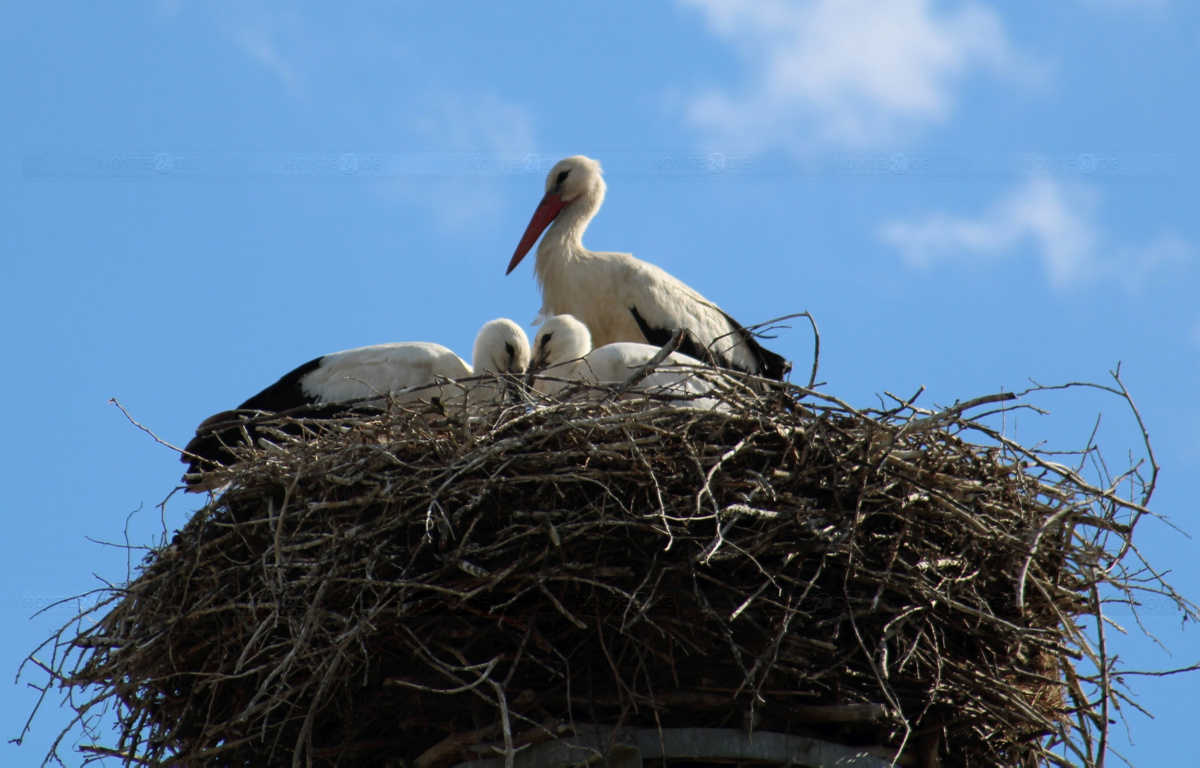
<point>419,588</point>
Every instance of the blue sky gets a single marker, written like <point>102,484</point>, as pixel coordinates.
<point>197,197</point>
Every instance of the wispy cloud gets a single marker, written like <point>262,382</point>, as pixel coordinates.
<point>168,9</point>
<point>260,44</point>
<point>486,124</point>
<point>1058,222</point>
<point>474,123</point>
<point>847,72</point>
<point>271,37</point>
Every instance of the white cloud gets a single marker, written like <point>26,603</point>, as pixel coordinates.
<point>260,45</point>
<point>271,37</point>
<point>474,123</point>
<point>485,124</point>
<point>847,72</point>
<point>1057,221</point>
<point>168,9</point>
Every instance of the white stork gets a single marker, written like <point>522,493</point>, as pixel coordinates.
<point>621,298</point>
<point>407,371</point>
<point>562,353</point>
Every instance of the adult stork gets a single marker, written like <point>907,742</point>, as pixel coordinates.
<point>618,297</point>
<point>563,353</point>
<point>407,371</point>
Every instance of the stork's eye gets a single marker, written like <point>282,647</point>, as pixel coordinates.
<point>508,349</point>
<point>562,176</point>
<point>546,339</point>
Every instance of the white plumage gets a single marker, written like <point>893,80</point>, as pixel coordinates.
<point>381,369</point>
<point>620,298</point>
<point>562,353</point>
<point>406,371</point>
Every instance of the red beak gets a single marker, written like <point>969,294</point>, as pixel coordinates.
<point>546,211</point>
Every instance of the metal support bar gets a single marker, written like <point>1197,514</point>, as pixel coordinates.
<point>628,748</point>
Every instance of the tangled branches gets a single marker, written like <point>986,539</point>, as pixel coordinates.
<point>408,586</point>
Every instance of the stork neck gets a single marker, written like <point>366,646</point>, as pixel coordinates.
<point>566,232</point>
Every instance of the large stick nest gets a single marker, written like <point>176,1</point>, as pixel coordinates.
<point>393,589</point>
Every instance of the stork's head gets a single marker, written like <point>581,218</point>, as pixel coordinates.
<point>561,339</point>
<point>575,184</point>
<point>501,347</point>
<point>574,176</point>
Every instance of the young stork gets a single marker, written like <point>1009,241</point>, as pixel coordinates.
<point>620,298</point>
<point>562,353</point>
<point>406,371</point>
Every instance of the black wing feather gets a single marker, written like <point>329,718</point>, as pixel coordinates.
<point>770,365</point>
<point>219,434</point>
<point>660,336</point>
<point>285,394</point>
